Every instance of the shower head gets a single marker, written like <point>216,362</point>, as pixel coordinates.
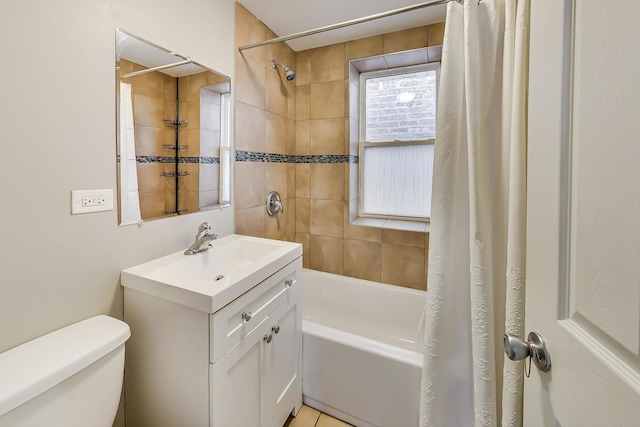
<point>288,72</point>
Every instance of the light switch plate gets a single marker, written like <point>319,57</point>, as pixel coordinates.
<point>88,201</point>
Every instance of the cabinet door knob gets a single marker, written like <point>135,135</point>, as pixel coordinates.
<point>275,329</point>
<point>288,283</point>
<point>267,338</point>
<point>246,316</point>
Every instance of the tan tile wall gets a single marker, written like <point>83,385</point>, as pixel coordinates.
<point>329,242</point>
<point>189,135</point>
<point>265,111</point>
<point>154,99</point>
<point>209,141</point>
<point>312,115</point>
<point>190,103</point>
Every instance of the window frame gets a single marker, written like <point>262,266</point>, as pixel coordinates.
<point>362,143</point>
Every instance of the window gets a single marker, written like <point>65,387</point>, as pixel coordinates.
<point>396,142</point>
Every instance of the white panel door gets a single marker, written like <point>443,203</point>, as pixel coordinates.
<point>583,235</point>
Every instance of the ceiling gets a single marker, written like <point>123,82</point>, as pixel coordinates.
<point>286,17</point>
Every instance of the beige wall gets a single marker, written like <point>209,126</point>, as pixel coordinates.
<point>58,126</point>
<point>321,193</point>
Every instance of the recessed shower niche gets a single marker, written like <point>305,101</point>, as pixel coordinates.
<point>173,131</point>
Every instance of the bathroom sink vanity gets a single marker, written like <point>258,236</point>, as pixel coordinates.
<point>216,337</point>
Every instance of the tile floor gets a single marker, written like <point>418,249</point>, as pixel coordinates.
<point>309,417</point>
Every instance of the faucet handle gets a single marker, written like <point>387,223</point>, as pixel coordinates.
<point>205,228</point>
<point>274,203</point>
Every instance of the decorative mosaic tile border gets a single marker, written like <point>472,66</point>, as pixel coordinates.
<point>165,159</point>
<point>326,158</point>
<point>252,156</point>
<point>155,159</point>
<point>201,160</point>
<point>187,159</point>
<point>210,160</point>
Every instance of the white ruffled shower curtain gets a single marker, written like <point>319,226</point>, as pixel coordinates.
<point>129,194</point>
<point>477,242</point>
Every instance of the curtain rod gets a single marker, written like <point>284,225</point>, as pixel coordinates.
<point>161,67</point>
<point>347,23</point>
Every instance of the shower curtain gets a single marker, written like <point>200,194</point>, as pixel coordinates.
<point>129,195</point>
<point>477,242</point>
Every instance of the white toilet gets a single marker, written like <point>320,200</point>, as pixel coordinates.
<point>70,377</point>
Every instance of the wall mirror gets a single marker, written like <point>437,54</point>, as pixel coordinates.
<point>173,133</point>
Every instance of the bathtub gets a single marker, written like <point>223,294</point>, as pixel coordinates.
<point>361,344</point>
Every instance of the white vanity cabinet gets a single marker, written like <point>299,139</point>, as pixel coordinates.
<point>257,382</point>
<point>238,365</point>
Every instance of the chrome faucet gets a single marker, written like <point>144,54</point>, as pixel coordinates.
<point>203,239</point>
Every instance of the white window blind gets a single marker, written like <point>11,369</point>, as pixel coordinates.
<point>397,180</point>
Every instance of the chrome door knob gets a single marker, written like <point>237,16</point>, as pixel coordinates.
<point>267,338</point>
<point>246,316</point>
<point>275,329</point>
<point>517,349</point>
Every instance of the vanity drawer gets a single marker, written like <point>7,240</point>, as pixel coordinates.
<point>234,321</point>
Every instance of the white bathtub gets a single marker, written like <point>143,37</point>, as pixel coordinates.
<point>361,349</point>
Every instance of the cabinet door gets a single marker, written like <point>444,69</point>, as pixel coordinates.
<point>282,362</point>
<point>235,382</point>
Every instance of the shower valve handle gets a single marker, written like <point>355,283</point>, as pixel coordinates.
<point>274,203</point>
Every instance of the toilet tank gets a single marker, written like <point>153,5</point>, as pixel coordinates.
<point>70,377</point>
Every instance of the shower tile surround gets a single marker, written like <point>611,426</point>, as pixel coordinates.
<point>311,170</point>
<point>265,133</point>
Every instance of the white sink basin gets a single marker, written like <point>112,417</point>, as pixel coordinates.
<point>209,280</point>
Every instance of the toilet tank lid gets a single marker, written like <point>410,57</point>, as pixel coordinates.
<point>36,366</point>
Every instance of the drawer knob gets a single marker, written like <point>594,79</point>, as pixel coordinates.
<point>275,329</point>
<point>288,283</point>
<point>246,316</point>
<point>267,338</point>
